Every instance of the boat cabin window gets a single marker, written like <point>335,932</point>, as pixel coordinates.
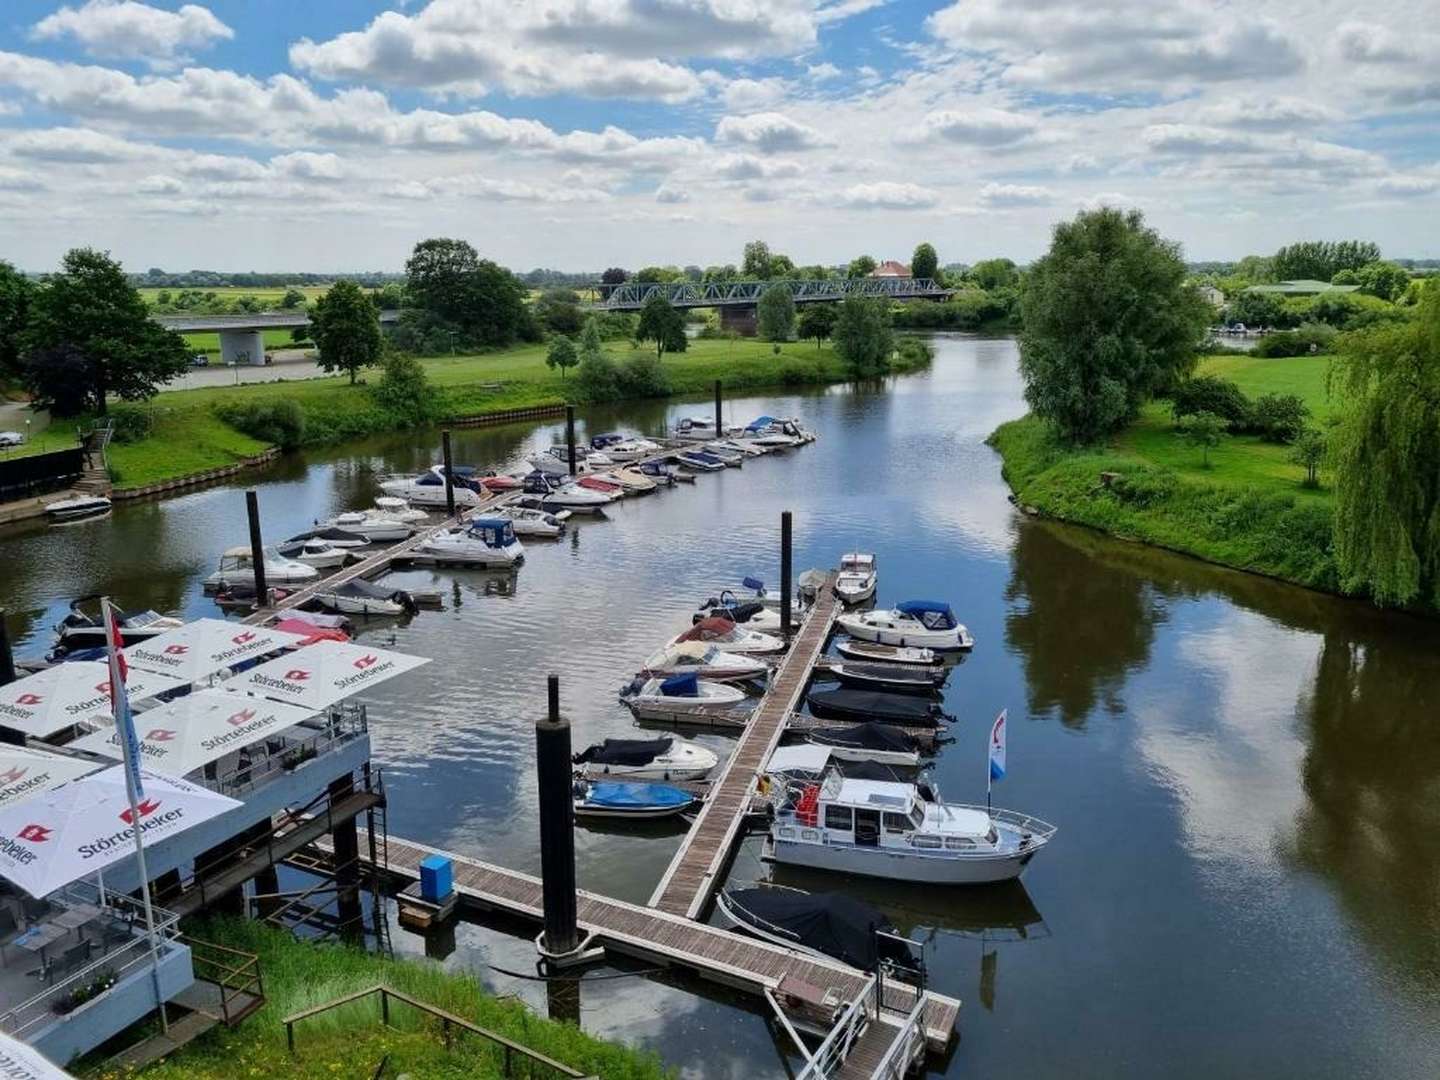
<point>897,823</point>
<point>926,841</point>
<point>839,817</point>
<point>959,843</point>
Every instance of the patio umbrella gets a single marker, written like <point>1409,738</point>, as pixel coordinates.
<point>82,827</point>
<point>322,674</point>
<point>199,649</point>
<point>26,773</point>
<point>72,693</point>
<point>21,1062</point>
<point>184,734</point>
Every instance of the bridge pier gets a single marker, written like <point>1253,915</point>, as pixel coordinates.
<point>242,347</point>
<point>740,319</point>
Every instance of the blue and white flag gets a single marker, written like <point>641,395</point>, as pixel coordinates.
<point>997,748</point>
<point>120,699</point>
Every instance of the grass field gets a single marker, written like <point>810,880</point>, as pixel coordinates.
<point>235,291</point>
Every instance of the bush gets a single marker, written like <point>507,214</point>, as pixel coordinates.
<point>281,423</point>
<point>1279,418</point>
<point>644,376</point>
<point>404,391</point>
<point>1207,393</point>
<point>597,379</point>
<point>1143,487</point>
<point>131,422</point>
<point>911,353</point>
<point>1310,337</point>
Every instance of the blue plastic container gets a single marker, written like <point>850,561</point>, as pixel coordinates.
<point>437,878</point>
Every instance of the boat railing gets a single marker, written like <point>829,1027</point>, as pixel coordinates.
<point>1040,830</point>
<point>826,1060</point>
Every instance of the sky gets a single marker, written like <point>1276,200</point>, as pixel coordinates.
<point>577,134</point>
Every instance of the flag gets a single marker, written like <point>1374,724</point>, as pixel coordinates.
<point>120,700</point>
<point>997,748</point>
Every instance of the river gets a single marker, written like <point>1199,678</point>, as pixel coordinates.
<point>1246,775</point>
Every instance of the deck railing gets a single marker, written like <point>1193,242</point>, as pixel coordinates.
<point>831,1053</point>
<point>909,1044</point>
<point>285,752</point>
<point>236,973</point>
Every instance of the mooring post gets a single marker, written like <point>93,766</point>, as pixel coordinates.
<point>449,479</point>
<point>7,658</point>
<point>719,425</point>
<point>570,439</point>
<point>557,825</point>
<point>785,572</point>
<point>257,549</point>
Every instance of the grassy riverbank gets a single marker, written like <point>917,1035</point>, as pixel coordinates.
<point>351,1041</point>
<point>1247,510</point>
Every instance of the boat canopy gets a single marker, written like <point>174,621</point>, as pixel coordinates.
<point>687,685</point>
<point>624,751</point>
<point>329,533</point>
<point>496,532</point>
<point>761,422</point>
<point>804,758</point>
<point>867,736</point>
<point>857,560</point>
<point>876,704</point>
<point>609,438</point>
<point>935,614</point>
<point>623,795</point>
<point>832,923</point>
<point>709,629</point>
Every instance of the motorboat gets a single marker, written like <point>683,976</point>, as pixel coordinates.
<point>556,460</point>
<point>336,538</point>
<point>689,688</point>
<point>629,799</point>
<point>928,623</point>
<point>795,428</point>
<point>397,509</point>
<point>732,459</point>
<point>563,496</point>
<point>760,612</point>
<point>885,829</point>
<point>376,529</point>
<point>879,743</point>
<point>827,924</point>
<point>660,474</point>
<point>618,447</point>
<point>701,429</point>
<point>886,654</point>
<point>705,660</point>
<point>731,636</point>
<point>80,629</point>
<point>770,432</point>
<point>528,522</point>
<point>483,541</point>
<point>632,482</point>
<point>700,461</point>
<point>601,482</point>
<point>77,509</point>
<point>493,481</point>
<point>314,552</point>
<point>237,568</point>
<point>360,597</point>
<point>428,488</point>
<point>905,710</point>
<point>891,678</point>
<point>858,574</point>
<point>666,758</point>
<point>744,447</point>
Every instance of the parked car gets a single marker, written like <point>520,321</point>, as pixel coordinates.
<point>11,438</point>
<point>200,360</point>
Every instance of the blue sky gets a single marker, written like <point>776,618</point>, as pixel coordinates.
<point>244,134</point>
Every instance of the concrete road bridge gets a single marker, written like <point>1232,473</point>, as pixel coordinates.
<point>241,336</point>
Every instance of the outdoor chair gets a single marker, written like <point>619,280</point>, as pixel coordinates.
<point>76,956</point>
<point>34,910</point>
<point>9,927</point>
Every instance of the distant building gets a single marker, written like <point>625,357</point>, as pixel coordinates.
<point>1301,288</point>
<point>892,269</point>
<point>1212,294</point>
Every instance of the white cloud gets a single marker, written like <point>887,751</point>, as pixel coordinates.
<point>309,166</point>
<point>159,184</point>
<point>1269,114</point>
<point>1259,155</point>
<point>666,194</point>
<point>888,195</point>
<point>1396,66</point>
<point>747,95</point>
<point>750,167</point>
<point>19,180</point>
<point>128,30</point>
<point>768,133</point>
<point>845,9</point>
<point>1409,186</point>
<point>75,145</point>
<point>999,195</point>
<point>980,126</point>
<point>822,72</point>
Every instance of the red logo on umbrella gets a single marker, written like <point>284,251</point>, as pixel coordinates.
<point>103,687</point>
<point>366,661</point>
<point>244,716</point>
<point>160,734</point>
<point>13,775</point>
<point>177,650</point>
<point>36,834</point>
<point>145,809</point>
<point>297,675</point>
<point>241,639</point>
<point>29,699</point>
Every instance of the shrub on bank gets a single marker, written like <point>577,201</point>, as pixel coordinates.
<point>1308,338</point>
<point>282,423</point>
<point>643,376</point>
<point>1208,393</point>
<point>1278,418</point>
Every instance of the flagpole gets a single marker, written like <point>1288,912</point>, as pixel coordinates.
<point>132,772</point>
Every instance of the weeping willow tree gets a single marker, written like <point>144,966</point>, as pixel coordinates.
<point>1387,460</point>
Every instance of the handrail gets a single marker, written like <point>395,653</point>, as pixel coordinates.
<point>249,981</point>
<point>447,1019</point>
<point>842,1036</point>
<point>895,1063</point>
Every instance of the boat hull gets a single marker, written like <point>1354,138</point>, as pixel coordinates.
<point>939,640</point>
<point>652,771</point>
<point>359,605</point>
<point>898,866</point>
<point>874,651</point>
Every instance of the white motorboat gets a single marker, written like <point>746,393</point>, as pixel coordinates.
<point>619,447</point>
<point>665,758</point>
<point>556,460</point>
<point>701,429</point>
<point>360,597</point>
<point>885,654</point>
<point>80,629</point>
<point>731,636</point>
<point>428,488</point>
<point>882,744</point>
<point>731,458</point>
<point>740,445</point>
<point>237,568</point>
<point>372,526</point>
<point>882,828</point>
<point>396,509</point>
<point>77,509</point>
<point>921,623</point>
<point>689,689</point>
<point>705,660</point>
<point>315,552</point>
<point>566,496</point>
<point>700,461</point>
<point>336,538</point>
<point>632,482</point>
<point>527,522</point>
<point>858,574</point>
<point>769,432</point>
<point>483,541</point>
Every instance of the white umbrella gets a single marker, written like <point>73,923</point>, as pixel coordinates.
<point>200,648</point>
<point>71,693</point>
<point>321,674</point>
<point>21,1062</point>
<point>184,734</point>
<point>82,827</point>
<point>26,773</point>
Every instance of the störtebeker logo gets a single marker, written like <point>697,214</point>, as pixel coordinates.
<point>297,675</point>
<point>244,716</point>
<point>11,776</point>
<point>365,661</point>
<point>241,639</point>
<point>177,650</point>
<point>160,734</point>
<point>29,699</point>
<point>36,834</point>
<point>103,687</point>
<point>145,809</point>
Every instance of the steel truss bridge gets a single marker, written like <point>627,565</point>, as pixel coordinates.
<point>632,295</point>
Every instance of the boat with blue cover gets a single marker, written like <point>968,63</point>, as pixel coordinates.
<point>921,623</point>
<point>700,461</point>
<point>689,688</point>
<point>629,799</point>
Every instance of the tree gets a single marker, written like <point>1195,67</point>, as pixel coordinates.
<point>614,276</point>
<point>817,321</point>
<point>562,354</point>
<point>1383,279</point>
<point>447,278</point>
<point>345,326</point>
<point>862,335</point>
<point>924,263</point>
<point>597,378</point>
<point>1321,260</point>
<point>559,311</point>
<point>1204,430</point>
<point>775,313</point>
<point>1256,309</point>
<point>91,307</point>
<point>293,298</point>
<point>1386,458</point>
<point>860,267</point>
<point>1109,321</point>
<point>1309,450</point>
<point>15,294</point>
<point>721,273</point>
<point>994,274</point>
<point>756,262</point>
<point>404,391</point>
<point>662,324</point>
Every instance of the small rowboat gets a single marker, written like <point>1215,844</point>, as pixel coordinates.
<point>885,654</point>
<point>629,799</point>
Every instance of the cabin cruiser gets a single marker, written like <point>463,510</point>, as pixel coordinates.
<point>237,568</point>
<point>336,538</point>
<point>745,447</point>
<point>701,429</point>
<point>483,541</point>
<point>858,574</point>
<point>664,474</point>
<point>879,743</point>
<point>562,496</point>
<point>928,623</point>
<point>731,636</point>
<point>689,688</point>
<point>619,447</point>
<point>630,481</point>
<point>80,629</point>
<point>885,829</point>
<point>705,660</point>
<point>886,654</point>
<point>388,506</point>
<point>700,461</point>
<point>428,488</point>
<point>556,460</point>
<point>731,459</point>
<point>665,758</point>
<point>769,432</point>
<point>829,924</point>
<point>891,678</point>
<point>629,799</point>
<point>360,597</point>
<point>906,710</point>
<point>528,522</point>
<point>314,552</point>
<point>372,526</point>
<point>77,509</point>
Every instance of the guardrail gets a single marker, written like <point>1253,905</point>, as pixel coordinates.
<point>909,1044</point>
<point>235,972</point>
<point>633,294</point>
<point>344,724</point>
<point>831,1053</point>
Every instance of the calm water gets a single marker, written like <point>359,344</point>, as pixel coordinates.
<point>1246,776</point>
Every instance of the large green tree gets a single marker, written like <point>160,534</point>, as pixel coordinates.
<point>561,354</point>
<point>90,313</point>
<point>993,274</point>
<point>1321,260</point>
<point>661,323</point>
<point>860,266</point>
<point>775,313</point>
<point>449,279</point>
<point>15,291</point>
<point>817,321</point>
<point>345,326</point>
<point>1109,320</point>
<point>863,337</point>
<point>1386,459</point>
<point>924,263</point>
<point>756,262</point>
